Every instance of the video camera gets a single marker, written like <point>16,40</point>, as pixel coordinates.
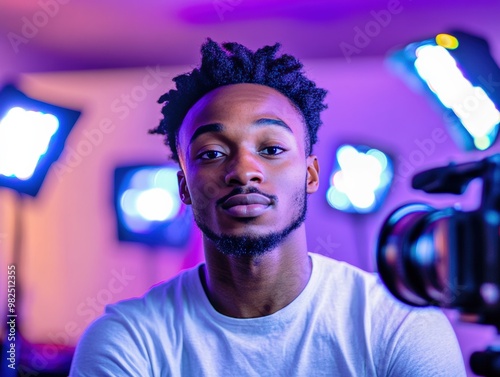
<point>447,257</point>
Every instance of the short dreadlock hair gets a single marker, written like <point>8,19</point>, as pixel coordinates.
<point>233,63</point>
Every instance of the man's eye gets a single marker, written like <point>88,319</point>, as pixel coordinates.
<point>272,151</point>
<point>210,155</point>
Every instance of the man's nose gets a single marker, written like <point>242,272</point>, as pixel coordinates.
<point>244,168</point>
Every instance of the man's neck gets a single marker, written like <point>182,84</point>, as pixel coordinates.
<point>247,287</point>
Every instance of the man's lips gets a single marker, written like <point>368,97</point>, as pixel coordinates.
<point>246,205</point>
<point>245,199</point>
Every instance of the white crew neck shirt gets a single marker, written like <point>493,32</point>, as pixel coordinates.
<point>344,323</point>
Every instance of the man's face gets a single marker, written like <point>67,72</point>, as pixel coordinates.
<point>244,167</point>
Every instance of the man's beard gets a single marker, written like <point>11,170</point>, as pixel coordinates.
<point>254,245</point>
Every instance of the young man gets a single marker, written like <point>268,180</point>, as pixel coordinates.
<point>242,127</point>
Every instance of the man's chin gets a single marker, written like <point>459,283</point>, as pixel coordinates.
<point>254,240</point>
<point>242,244</point>
<point>249,244</point>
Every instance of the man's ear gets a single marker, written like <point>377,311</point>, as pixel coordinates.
<point>183,189</point>
<point>312,174</point>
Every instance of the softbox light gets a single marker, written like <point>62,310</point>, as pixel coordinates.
<point>32,137</point>
<point>457,70</point>
<point>148,207</point>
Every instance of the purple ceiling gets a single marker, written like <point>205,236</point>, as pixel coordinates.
<point>49,35</point>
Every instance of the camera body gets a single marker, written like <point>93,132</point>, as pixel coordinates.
<point>447,257</point>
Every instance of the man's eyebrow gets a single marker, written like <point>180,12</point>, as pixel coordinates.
<point>212,127</point>
<point>272,122</point>
<point>218,128</point>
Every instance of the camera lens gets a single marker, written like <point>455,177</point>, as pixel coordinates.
<point>413,254</point>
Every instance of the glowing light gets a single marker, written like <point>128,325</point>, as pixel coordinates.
<point>363,199</point>
<point>337,199</point>
<point>148,207</point>
<point>156,204</point>
<point>471,104</point>
<point>447,41</point>
<point>482,143</point>
<point>380,156</point>
<point>128,202</point>
<point>142,179</point>
<point>166,178</point>
<point>153,195</point>
<point>362,176</point>
<point>24,138</point>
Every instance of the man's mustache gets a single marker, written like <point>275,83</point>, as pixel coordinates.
<point>247,190</point>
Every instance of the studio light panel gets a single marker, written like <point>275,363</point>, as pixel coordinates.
<point>360,179</point>
<point>32,137</point>
<point>458,71</point>
<point>148,207</point>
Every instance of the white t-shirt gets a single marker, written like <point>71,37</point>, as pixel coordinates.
<point>344,323</point>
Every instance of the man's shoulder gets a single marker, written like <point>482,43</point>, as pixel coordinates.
<point>361,296</point>
<point>342,271</point>
<point>366,290</point>
<point>354,286</point>
<point>160,300</point>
